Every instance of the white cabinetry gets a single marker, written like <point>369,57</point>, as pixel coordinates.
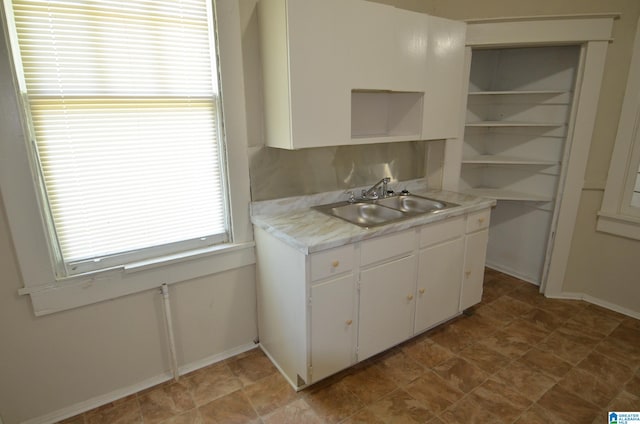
<point>333,334</point>
<point>439,273</point>
<point>321,313</point>
<point>387,292</point>
<point>340,72</point>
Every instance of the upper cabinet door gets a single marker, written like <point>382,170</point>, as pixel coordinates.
<point>340,72</point>
<point>445,79</point>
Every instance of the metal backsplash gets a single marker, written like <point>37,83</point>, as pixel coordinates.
<point>277,173</point>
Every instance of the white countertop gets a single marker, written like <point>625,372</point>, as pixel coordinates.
<point>293,221</point>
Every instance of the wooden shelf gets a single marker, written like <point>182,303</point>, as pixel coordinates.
<point>507,160</point>
<point>500,194</point>
<point>513,124</point>
<point>516,92</point>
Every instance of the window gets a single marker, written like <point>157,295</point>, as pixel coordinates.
<point>124,118</point>
<point>57,279</point>
<point>620,211</point>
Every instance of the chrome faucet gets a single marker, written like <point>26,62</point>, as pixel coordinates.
<point>376,191</point>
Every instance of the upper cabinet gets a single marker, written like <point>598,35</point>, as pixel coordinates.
<point>340,72</point>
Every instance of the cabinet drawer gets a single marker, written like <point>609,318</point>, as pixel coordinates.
<point>387,247</point>
<point>478,220</point>
<point>441,231</point>
<point>331,262</point>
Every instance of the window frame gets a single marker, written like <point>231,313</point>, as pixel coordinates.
<point>30,236</point>
<point>616,215</point>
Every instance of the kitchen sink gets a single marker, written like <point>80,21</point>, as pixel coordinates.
<point>412,204</point>
<point>376,212</point>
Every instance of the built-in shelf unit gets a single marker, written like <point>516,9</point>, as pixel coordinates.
<point>518,117</point>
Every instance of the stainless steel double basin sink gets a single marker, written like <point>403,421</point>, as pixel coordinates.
<point>373,213</point>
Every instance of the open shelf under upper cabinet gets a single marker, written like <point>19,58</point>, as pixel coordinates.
<point>507,160</point>
<point>501,194</point>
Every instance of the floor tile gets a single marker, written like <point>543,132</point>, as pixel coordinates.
<point>369,383</point>
<point>269,393</point>
<point>461,374</point>
<point>210,383</point>
<point>608,313</point>
<point>467,411</point>
<point>620,351</point>
<point>538,415</point>
<point>510,306</point>
<point>625,401</point>
<point>400,368</point>
<point>251,367</point>
<point>503,402</point>
<point>485,358</point>
<point>608,371</point>
<point>631,323</point>
<point>528,381</point>
<point>165,402</point>
<point>364,416</point>
<point>494,315</point>
<point>294,413</point>
<point>476,326</point>
<point>633,385</point>
<point>78,419</point>
<point>568,407</point>
<point>589,387</point>
<point>580,334</point>
<point>563,347</point>
<point>122,413</point>
<point>564,309</point>
<point>451,337</point>
<point>333,402</point>
<point>509,346</point>
<point>190,417</point>
<point>526,331</point>
<point>546,362</point>
<point>595,320</point>
<point>529,294</point>
<point>233,408</point>
<point>427,353</point>
<point>434,392</point>
<point>543,319</point>
<point>400,407</point>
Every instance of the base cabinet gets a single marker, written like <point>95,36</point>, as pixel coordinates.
<point>439,276</point>
<point>333,335</point>
<point>321,313</point>
<point>390,288</point>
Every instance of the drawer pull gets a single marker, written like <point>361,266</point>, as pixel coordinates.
<point>480,221</point>
<point>421,291</point>
<point>335,264</point>
<point>467,274</point>
<point>349,322</point>
<point>410,297</point>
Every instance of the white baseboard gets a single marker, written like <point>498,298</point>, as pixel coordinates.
<point>97,401</point>
<point>595,301</point>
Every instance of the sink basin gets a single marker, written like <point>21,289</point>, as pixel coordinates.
<point>372,213</point>
<point>366,214</point>
<point>413,204</point>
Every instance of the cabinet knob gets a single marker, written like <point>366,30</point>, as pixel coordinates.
<point>335,264</point>
<point>480,221</point>
<point>421,291</point>
<point>410,297</point>
<point>349,322</point>
<point>467,274</point>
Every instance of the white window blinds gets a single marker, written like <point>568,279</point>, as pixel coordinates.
<point>123,102</point>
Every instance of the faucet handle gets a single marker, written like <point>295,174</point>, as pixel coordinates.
<point>352,196</point>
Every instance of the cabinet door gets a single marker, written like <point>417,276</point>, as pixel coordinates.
<point>439,273</point>
<point>332,326</point>
<point>445,79</point>
<point>386,306</point>
<point>475,252</point>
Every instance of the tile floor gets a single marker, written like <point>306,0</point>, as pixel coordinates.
<point>518,358</point>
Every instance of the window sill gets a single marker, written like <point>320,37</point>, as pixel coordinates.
<point>619,225</point>
<point>137,277</point>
